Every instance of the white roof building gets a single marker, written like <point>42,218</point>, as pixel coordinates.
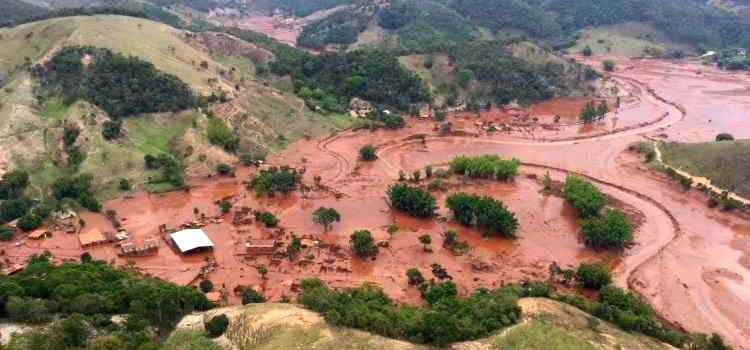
<point>191,239</point>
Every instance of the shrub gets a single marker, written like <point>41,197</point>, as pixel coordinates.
<point>453,243</point>
<point>29,310</point>
<point>12,209</point>
<point>485,167</point>
<point>587,51</point>
<point>111,130</point>
<point>425,240</point>
<point>362,243</point>
<point>440,291</point>
<point>415,276</point>
<point>217,325</point>
<point>267,218</point>
<point>6,233</point>
<point>275,179</point>
<point>221,135</point>
<point>724,137</point>
<point>428,171</point>
<point>367,153</point>
<point>13,184</point>
<point>535,289</point>
<point>250,296</point>
<point>583,195</point>
<point>206,285</point>
<point>484,212</point>
<point>593,275</point>
<point>611,230</point>
<point>224,169</point>
<point>326,216</point>
<point>225,206</point>
<point>124,185</point>
<point>29,222</point>
<point>608,65</point>
<point>413,200</point>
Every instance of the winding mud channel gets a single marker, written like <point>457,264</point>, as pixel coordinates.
<point>692,263</point>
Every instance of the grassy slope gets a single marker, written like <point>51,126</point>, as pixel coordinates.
<point>627,39</point>
<point>30,132</point>
<point>725,163</point>
<point>546,325</point>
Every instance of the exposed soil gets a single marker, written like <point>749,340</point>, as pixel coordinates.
<point>690,262</point>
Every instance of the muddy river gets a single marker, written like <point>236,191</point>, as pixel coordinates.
<point>692,263</point>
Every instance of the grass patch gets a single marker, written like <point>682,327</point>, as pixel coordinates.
<point>54,109</point>
<point>152,135</point>
<point>627,39</point>
<point>541,334</point>
<point>724,163</point>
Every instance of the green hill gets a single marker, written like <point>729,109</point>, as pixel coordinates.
<point>31,130</point>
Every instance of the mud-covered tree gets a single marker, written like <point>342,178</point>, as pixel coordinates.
<point>267,218</point>
<point>415,276</point>
<point>593,275</point>
<point>486,213</point>
<point>326,217</point>
<point>284,180</point>
<point>293,248</point>
<point>586,198</point>
<point>413,200</point>
<point>368,153</point>
<point>225,206</point>
<point>362,243</point>
<point>425,240</point>
<point>485,167</point>
<point>610,230</point>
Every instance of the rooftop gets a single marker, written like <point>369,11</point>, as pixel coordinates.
<point>190,239</point>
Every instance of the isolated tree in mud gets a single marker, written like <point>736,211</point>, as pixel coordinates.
<point>587,51</point>
<point>426,240</point>
<point>367,153</point>
<point>326,216</point>
<point>362,243</point>
<point>413,200</point>
<point>609,65</point>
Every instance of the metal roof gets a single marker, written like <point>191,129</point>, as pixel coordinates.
<point>187,240</point>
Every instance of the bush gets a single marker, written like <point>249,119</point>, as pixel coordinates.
<point>267,218</point>
<point>224,169</point>
<point>583,195</point>
<point>535,289</point>
<point>217,325</point>
<point>415,276</point>
<point>367,153</point>
<point>124,185</point>
<point>724,137</point>
<point>221,135</point>
<point>29,310</point>
<point>225,206</point>
<point>12,209</point>
<point>485,167</point>
<point>440,291</point>
<point>413,200</point>
<point>6,233</point>
<point>13,184</point>
<point>593,275</point>
<point>111,130</point>
<point>29,222</point>
<point>608,65</point>
<point>206,285</point>
<point>484,212</point>
<point>250,296</point>
<point>611,230</point>
<point>362,243</point>
<point>587,51</point>
<point>275,179</point>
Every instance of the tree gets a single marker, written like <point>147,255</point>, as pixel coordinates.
<point>413,200</point>
<point>368,153</point>
<point>267,218</point>
<point>425,240</point>
<point>294,247</point>
<point>250,296</point>
<point>224,169</point>
<point>609,65</point>
<point>593,275</point>
<point>13,184</point>
<point>362,243</point>
<point>225,206</point>
<point>587,51</point>
<point>325,216</point>
<point>217,325</point>
<point>484,212</point>
<point>284,179</point>
<point>440,291</point>
<point>86,258</point>
<point>611,230</point>
<point>29,222</point>
<point>415,276</point>
<point>124,185</point>
<point>586,198</point>
<point>724,137</point>
<point>262,271</point>
<point>12,209</point>
<point>6,233</point>
<point>111,130</point>
<point>206,285</point>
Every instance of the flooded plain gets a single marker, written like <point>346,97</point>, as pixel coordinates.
<point>691,262</point>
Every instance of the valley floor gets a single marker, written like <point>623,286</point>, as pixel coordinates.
<point>692,263</point>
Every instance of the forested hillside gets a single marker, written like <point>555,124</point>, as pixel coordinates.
<point>14,10</point>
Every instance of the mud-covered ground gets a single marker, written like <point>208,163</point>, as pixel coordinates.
<point>692,263</point>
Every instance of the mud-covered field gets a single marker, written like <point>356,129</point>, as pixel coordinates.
<point>691,262</point>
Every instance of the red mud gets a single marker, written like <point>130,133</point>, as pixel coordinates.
<point>692,263</point>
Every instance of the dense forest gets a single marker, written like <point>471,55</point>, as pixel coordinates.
<point>76,301</point>
<point>17,15</point>
<point>331,80</point>
<point>17,10</point>
<point>341,27</point>
<point>118,84</point>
